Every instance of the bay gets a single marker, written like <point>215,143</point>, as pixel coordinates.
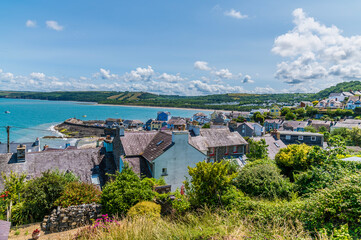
<point>30,119</point>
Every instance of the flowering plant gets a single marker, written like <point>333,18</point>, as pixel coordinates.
<point>4,195</point>
<point>36,231</point>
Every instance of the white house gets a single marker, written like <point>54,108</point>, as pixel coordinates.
<point>353,102</point>
<point>337,97</point>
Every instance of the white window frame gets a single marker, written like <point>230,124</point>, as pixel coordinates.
<point>313,138</point>
<point>288,137</point>
<point>300,138</point>
<point>164,172</point>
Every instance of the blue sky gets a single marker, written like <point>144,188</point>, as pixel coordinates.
<point>179,47</point>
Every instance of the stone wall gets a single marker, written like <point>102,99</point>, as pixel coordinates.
<point>63,219</point>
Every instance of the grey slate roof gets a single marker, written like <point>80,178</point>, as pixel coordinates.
<point>216,138</point>
<point>300,133</point>
<point>177,121</point>
<point>295,124</point>
<point>158,145</point>
<point>347,94</point>
<point>273,145</point>
<point>134,143</point>
<point>13,147</point>
<point>336,95</point>
<point>79,161</point>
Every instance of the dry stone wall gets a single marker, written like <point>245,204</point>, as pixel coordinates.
<point>63,219</point>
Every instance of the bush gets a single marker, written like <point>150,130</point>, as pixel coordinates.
<point>209,181</point>
<point>126,190</point>
<point>257,149</point>
<point>41,193</point>
<point>293,158</point>
<point>263,180</point>
<point>77,193</point>
<point>336,205</point>
<point>180,203</point>
<point>148,209</point>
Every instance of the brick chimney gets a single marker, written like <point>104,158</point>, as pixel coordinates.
<point>21,150</point>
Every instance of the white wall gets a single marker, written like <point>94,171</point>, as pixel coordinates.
<point>176,160</point>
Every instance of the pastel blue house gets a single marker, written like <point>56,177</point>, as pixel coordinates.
<point>163,116</point>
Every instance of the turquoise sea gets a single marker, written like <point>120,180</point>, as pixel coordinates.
<point>34,118</point>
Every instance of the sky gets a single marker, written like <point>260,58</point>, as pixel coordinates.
<point>179,47</point>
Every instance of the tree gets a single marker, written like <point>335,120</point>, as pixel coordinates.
<point>14,184</point>
<point>258,117</point>
<point>257,149</point>
<point>285,110</point>
<point>301,113</point>
<point>209,182</point>
<point>322,129</point>
<point>355,135</point>
<point>126,190</point>
<point>310,129</point>
<point>290,116</point>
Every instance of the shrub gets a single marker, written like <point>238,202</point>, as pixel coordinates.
<point>126,190</point>
<point>209,181</point>
<point>263,180</point>
<point>41,193</point>
<point>148,209</point>
<point>336,205</point>
<point>257,149</point>
<point>293,158</point>
<point>180,203</point>
<point>77,193</point>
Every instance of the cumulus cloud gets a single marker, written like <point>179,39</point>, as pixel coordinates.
<point>223,74</point>
<point>104,74</point>
<point>201,65</point>
<point>140,74</point>
<point>314,52</point>
<point>247,79</point>
<point>30,23</point>
<point>54,25</point>
<point>235,14</point>
<point>171,78</point>
<point>37,76</point>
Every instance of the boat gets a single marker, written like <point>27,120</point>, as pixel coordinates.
<point>7,112</point>
<point>84,116</point>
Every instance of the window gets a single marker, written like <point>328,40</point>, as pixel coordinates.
<point>300,138</point>
<point>235,149</point>
<point>313,138</point>
<point>243,126</point>
<point>211,152</point>
<point>164,172</point>
<point>227,151</point>
<point>242,130</point>
<point>288,137</point>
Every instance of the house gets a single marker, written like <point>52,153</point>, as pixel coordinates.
<point>147,124</point>
<point>177,123</point>
<point>292,137</point>
<point>337,97</point>
<point>298,126</point>
<point>304,104</point>
<point>356,93</point>
<point>273,145</point>
<point>317,124</point>
<point>249,129</point>
<point>201,118</point>
<point>329,103</point>
<point>113,122</point>
<point>272,124</point>
<point>235,114</point>
<point>275,111</point>
<point>133,124</point>
<point>168,154</point>
<point>30,147</point>
<point>347,123</point>
<point>220,119</point>
<point>353,102</point>
<point>262,111</point>
<point>347,94</point>
<point>157,125</point>
<point>81,162</point>
<point>163,116</point>
<point>215,114</point>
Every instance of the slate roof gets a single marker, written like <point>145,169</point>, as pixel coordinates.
<point>13,147</point>
<point>354,98</point>
<point>295,124</point>
<point>348,123</point>
<point>177,121</point>
<point>273,145</point>
<point>347,94</point>
<point>79,161</point>
<point>216,138</point>
<point>279,121</point>
<point>158,145</point>
<point>200,114</point>
<point>134,143</point>
<point>300,133</point>
<point>336,95</point>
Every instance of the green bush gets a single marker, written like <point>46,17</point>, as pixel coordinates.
<point>41,193</point>
<point>209,181</point>
<point>263,180</point>
<point>126,190</point>
<point>76,193</point>
<point>336,205</point>
<point>257,149</point>
<point>180,203</point>
<point>148,209</point>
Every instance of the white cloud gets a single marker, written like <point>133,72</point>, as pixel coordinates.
<point>30,23</point>
<point>317,54</point>
<point>235,14</point>
<point>201,65</point>
<point>54,25</point>
<point>247,79</point>
<point>105,74</point>
<point>140,74</point>
<point>223,74</point>
<point>37,76</point>
<point>264,90</point>
<point>171,78</point>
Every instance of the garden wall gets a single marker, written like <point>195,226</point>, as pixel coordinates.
<point>63,219</point>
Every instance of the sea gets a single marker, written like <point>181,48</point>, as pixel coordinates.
<point>29,119</point>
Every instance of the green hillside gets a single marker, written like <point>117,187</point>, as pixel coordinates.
<point>341,87</point>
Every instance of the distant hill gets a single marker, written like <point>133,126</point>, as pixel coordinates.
<point>341,87</point>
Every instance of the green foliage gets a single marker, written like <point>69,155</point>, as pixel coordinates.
<point>293,158</point>
<point>290,116</point>
<point>336,205</point>
<point>263,180</point>
<point>126,190</point>
<point>258,117</point>
<point>76,193</point>
<point>322,129</point>
<point>41,193</point>
<point>152,182</point>
<point>14,185</point>
<point>147,209</point>
<point>180,203</point>
<point>209,181</point>
<point>206,125</point>
<point>310,129</point>
<point>257,149</point>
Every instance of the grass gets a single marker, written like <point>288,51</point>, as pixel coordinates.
<point>202,225</point>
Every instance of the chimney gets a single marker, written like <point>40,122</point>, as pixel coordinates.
<point>196,129</point>
<point>180,137</point>
<point>21,150</point>
<point>119,131</point>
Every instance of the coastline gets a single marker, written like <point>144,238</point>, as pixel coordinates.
<point>141,106</point>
